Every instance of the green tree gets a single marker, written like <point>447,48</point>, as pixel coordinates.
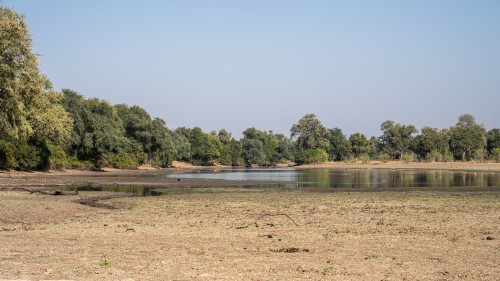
<point>466,137</point>
<point>98,130</point>
<point>253,151</point>
<point>182,146</point>
<point>310,133</point>
<point>28,105</point>
<point>360,144</point>
<point>396,138</point>
<point>431,144</point>
<point>272,148</point>
<point>340,147</point>
<point>493,140</point>
<point>205,148</point>
<point>151,135</point>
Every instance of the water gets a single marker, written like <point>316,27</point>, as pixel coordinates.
<point>353,178</point>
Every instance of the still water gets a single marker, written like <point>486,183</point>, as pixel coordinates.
<point>353,178</point>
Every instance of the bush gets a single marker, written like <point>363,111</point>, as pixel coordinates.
<point>53,156</point>
<point>7,159</point>
<point>433,156</point>
<point>27,156</point>
<point>480,154</point>
<point>447,156</point>
<point>122,160</point>
<point>73,162</point>
<point>365,158</point>
<point>311,156</point>
<point>408,157</point>
<point>384,157</point>
<point>495,154</point>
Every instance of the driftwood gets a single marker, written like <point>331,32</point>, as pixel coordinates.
<point>260,217</point>
<point>95,201</point>
<point>54,192</point>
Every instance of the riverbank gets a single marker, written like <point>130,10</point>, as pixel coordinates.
<point>247,233</point>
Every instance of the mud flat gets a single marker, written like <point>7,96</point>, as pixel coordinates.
<point>252,234</point>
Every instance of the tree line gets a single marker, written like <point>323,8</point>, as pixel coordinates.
<point>41,128</point>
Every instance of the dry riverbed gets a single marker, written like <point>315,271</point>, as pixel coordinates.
<point>252,234</point>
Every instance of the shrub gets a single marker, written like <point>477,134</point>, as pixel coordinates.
<point>495,154</point>
<point>384,157</point>
<point>122,160</point>
<point>73,162</point>
<point>433,156</point>
<point>447,156</point>
<point>310,156</point>
<point>408,157</point>
<point>7,159</point>
<point>53,156</point>
<point>365,158</point>
<point>480,154</point>
<point>27,156</point>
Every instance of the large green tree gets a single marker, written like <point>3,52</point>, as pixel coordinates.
<point>359,144</point>
<point>431,144</point>
<point>98,131</point>
<point>205,148</point>
<point>467,137</point>
<point>340,147</point>
<point>396,138</point>
<point>28,105</point>
<point>151,134</point>
<point>33,124</point>
<point>310,133</point>
<point>493,139</point>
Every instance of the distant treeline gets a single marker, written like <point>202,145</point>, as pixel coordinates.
<point>41,128</point>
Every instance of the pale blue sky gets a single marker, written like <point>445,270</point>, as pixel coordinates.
<point>239,64</point>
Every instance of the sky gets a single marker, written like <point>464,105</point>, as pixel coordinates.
<point>267,63</point>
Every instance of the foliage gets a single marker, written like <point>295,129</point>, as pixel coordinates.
<point>396,138</point>
<point>122,160</point>
<point>28,106</point>
<point>7,158</point>
<point>311,156</point>
<point>466,137</point>
<point>408,157</point>
<point>365,158</point>
<point>495,154</point>
<point>264,148</point>
<point>384,157</point>
<point>480,154</point>
<point>340,147</point>
<point>205,148</point>
<point>310,133</point>
<point>253,152</point>
<point>53,156</point>
<point>431,144</point>
<point>27,156</point>
<point>493,140</point>
<point>182,146</point>
<point>359,144</point>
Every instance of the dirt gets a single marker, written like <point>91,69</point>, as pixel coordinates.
<point>242,233</point>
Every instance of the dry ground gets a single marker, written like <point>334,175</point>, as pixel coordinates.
<point>253,234</point>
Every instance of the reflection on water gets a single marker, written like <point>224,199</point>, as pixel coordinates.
<point>343,178</point>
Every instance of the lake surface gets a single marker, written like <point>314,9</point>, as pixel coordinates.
<point>352,178</point>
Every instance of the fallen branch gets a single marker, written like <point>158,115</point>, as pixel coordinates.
<point>260,217</point>
<point>54,192</point>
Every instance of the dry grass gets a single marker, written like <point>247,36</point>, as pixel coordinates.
<point>224,234</point>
